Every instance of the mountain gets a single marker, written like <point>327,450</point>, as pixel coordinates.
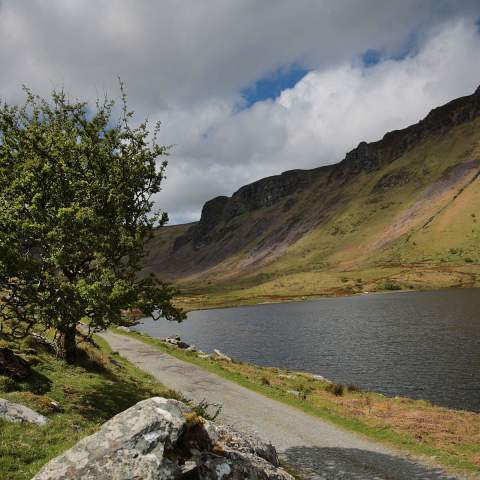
<point>401,212</point>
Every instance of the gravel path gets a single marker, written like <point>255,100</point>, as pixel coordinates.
<point>315,448</point>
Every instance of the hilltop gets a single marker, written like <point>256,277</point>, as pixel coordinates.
<point>398,213</point>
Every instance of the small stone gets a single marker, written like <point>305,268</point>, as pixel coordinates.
<point>221,356</point>
<point>322,379</point>
<point>15,412</point>
<point>124,329</point>
<point>55,406</point>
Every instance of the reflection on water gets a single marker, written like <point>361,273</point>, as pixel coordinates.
<point>418,344</point>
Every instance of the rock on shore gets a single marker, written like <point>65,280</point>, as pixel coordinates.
<point>15,412</point>
<point>161,439</point>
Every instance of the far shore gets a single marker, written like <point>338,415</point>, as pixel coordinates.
<point>184,301</point>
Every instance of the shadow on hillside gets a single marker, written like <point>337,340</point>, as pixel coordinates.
<point>111,398</point>
<point>36,383</point>
<point>356,464</point>
<point>117,393</point>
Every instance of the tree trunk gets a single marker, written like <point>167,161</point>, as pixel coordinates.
<point>69,344</point>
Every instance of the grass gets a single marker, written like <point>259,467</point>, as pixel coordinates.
<point>102,385</point>
<point>422,235</point>
<point>447,437</point>
<point>313,285</point>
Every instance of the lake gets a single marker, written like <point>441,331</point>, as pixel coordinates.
<point>417,344</point>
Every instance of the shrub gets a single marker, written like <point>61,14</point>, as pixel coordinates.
<point>389,285</point>
<point>265,381</point>
<point>468,260</point>
<point>335,388</point>
<point>351,387</point>
<point>7,384</point>
<point>201,409</point>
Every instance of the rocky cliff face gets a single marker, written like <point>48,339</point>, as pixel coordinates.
<point>261,194</point>
<point>368,157</point>
<point>261,220</point>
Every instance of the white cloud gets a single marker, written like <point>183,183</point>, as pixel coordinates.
<point>186,63</point>
<point>329,112</point>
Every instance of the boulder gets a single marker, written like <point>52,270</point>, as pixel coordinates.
<point>15,412</point>
<point>164,439</point>
<point>321,378</point>
<point>177,342</point>
<point>217,354</point>
<point>122,328</point>
<point>45,343</point>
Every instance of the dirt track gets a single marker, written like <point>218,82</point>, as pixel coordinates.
<point>317,449</point>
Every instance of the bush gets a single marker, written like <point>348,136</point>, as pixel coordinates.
<point>201,409</point>
<point>389,285</point>
<point>351,387</point>
<point>265,381</point>
<point>7,384</point>
<point>335,388</point>
<point>469,260</point>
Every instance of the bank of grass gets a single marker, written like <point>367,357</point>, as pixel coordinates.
<point>100,386</point>
<point>442,436</point>
<point>311,285</point>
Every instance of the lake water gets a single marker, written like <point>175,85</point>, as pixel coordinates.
<point>417,344</point>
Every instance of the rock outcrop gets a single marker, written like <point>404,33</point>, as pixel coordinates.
<point>261,194</point>
<point>237,236</point>
<point>159,439</point>
<point>15,412</point>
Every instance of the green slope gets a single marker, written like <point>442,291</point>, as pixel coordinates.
<point>399,213</point>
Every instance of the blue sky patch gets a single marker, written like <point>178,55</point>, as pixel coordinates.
<point>371,57</point>
<point>271,86</point>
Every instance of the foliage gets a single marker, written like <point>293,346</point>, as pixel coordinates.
<point>390,285</point>
<point>76,205</point>
<point>335,388</point>
<point>89,393</point>
<point>202,409</point>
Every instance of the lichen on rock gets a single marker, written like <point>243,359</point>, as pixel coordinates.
<point>156,439</point>
<point>15,412</point>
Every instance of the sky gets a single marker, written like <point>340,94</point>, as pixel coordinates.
<point>245,88</point>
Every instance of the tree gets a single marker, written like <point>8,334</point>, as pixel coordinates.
<point>76,206</point>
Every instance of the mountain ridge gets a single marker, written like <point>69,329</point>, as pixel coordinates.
<point>265,220</point>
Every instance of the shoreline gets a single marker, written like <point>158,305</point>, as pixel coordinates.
<point>393,421</point>
<point>216,353</point>
<point>305,298</point>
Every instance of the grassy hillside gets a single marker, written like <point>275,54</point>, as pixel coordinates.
<point>102,385</point>
<point>401,213</point>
